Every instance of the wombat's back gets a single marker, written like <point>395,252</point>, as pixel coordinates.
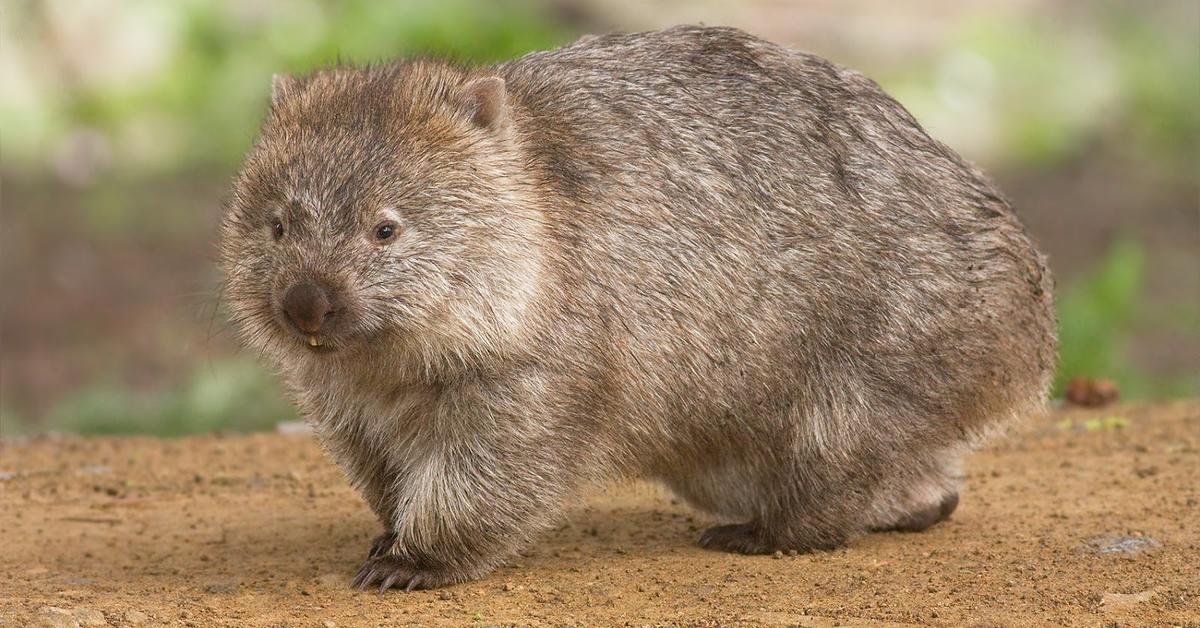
<point>750,226</point>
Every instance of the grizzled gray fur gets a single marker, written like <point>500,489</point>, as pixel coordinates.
<point>688,255</point>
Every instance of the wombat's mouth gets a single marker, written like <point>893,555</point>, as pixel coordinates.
<point>317,344</point>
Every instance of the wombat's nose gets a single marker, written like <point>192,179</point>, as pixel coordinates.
<point>307,306</point>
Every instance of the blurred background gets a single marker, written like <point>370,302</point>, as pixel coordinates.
<point>121,123</point>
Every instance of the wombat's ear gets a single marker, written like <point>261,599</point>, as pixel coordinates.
<point>283,87</point>
<point>486,100</point>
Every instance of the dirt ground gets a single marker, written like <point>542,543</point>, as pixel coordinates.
<point>1077,518</point>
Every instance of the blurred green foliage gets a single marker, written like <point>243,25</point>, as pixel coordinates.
<point>1041,90</point>
<point>1095,314</point>
<point>230,394</point>
<point>1096,317</point>
<point>200,105</point>
<point>1160,78</point>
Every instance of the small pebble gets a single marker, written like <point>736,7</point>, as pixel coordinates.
<point>89,617</point>
<point>54,617</point>
<point>1126,545</point>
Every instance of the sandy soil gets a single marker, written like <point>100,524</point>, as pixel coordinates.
<point>1078,518</point>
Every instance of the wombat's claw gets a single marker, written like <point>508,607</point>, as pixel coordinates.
<point>741,538</point>
<point>394,579</point>
<point>381,545</point>
<point>392,572</point>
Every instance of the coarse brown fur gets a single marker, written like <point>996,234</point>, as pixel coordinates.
<point>690,255</point>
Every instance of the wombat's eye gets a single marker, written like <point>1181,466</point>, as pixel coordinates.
<point>277,229</point>
<point>386,232</point>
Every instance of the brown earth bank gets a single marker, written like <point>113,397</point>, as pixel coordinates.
<point>1076,518</point>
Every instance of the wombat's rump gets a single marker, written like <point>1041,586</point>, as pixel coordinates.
<point>690,255</point>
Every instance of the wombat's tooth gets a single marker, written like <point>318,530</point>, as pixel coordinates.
<point>314,341</point>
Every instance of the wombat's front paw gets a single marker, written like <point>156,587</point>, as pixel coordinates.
<point>382,544</point>
<point>390,571</point>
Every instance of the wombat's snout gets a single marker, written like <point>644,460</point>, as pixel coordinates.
<point>307,306</point>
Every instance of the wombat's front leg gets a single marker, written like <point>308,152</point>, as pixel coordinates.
<point>463,507</point>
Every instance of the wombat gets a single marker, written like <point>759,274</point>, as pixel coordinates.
<point>688,255</point>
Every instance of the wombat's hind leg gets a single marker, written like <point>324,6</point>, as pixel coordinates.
<point>922,518</point>
<point>740,538</point>
<point>912,504</point>
<point>750,538</point>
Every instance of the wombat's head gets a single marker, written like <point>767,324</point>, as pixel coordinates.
<point>384,207</point>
